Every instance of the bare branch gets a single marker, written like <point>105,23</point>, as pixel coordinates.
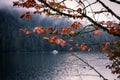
<point>98,12</point>
<point>89,66</point>
<point>90,4</point>
<point>109,10</point>
<point>115,1</point>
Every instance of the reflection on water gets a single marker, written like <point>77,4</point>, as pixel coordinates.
<point>63,66</point>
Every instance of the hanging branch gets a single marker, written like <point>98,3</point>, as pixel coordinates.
<point>61,13</point>
<point>47,5</point>
<point>89,66</point>
<point>69,15</point>
<point>90,4</point>
<point>109,10</point>
<point>82,14</point>
<point>115,1</point>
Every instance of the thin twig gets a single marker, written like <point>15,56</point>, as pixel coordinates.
<point>109,10</point>
<point>115,1</point>
<point>90,66</point>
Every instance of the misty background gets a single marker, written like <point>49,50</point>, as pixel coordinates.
<point>13,40</point>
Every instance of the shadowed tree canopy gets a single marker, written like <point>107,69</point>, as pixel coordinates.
<point>86,19</point>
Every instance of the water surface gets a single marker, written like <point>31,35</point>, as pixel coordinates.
<point>47,66</point>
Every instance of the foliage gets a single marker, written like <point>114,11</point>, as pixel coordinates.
<point>81,12</point>
<point>114,55</point>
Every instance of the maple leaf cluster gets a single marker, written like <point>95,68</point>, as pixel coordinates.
<point>114,56</point>
<point>45,6</point>
<point>26,15</point>
<point>113,28</point>
<point>53,39</point>
<point>27,4</point>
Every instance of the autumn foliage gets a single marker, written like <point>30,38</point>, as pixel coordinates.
<point>114,55</point>
<point>58,8</point>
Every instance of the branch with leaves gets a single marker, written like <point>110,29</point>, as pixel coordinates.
<point>109,10</point>
<point>81,12</point>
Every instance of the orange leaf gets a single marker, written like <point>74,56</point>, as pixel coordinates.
<point>52,39</point>
<point>65,31</point>
<point>39,30</point>
<point>28,16</point>
<point>28,32</point>
<point>96,32</point>
<point>22,30</point>
<point>79,10</point>
<point>25,31</point>
<point>57,41</point>
<point>55,32</point>
<point>50,29</point>
<point>111,30</point>
<point>75,25</point>
<point>83,47</point>
<point>62,42</point>
<point>72,32</point>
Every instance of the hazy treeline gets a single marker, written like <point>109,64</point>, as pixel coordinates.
<point>12,40</point>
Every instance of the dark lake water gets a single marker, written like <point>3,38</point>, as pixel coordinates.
<point>48,66</point>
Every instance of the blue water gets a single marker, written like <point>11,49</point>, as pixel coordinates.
<point>47,66</point>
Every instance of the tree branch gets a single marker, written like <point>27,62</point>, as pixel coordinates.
<point>109,10</point>
<point>69,15</point>
<point>89,66</point>
<point>61,13</point>
<point>115,1</point>
<point>90,4</point>
<point>82,14</point>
